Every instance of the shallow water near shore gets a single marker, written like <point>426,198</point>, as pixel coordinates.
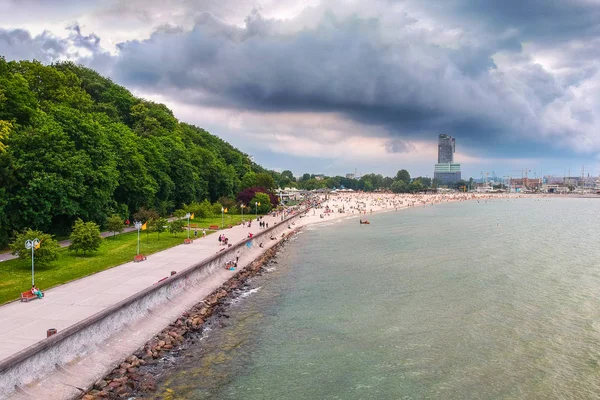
<point>493,300</point>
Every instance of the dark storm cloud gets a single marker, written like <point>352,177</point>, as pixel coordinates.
<point>413,77</point>
<point>341,65</point>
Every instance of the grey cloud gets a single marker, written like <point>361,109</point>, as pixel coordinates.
<point>18,44</point>
<point>342,65</point>
<point>388,70</point>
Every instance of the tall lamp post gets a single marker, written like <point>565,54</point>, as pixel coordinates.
<point>188,215</point>
<point>242,207</point>
<point>138,226</point>
<point>222,217</point>
<point>32,244</point>
<point>256,209</point>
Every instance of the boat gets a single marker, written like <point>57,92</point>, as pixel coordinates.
<point>364,222</point>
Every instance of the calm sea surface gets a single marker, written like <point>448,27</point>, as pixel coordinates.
<point>488,300</point>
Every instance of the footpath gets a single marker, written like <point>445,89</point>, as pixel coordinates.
<point>24,324</point>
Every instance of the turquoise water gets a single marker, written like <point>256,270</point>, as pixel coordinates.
<point>488,300</point>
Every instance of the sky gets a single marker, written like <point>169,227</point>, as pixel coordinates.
<point>338,86</point>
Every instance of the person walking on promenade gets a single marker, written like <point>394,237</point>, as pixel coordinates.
<point>203,233</point>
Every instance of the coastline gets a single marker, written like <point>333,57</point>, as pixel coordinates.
<point>101,358</point>
<point>136,375</point>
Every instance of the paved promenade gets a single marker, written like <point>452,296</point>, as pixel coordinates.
<point>24,324</point>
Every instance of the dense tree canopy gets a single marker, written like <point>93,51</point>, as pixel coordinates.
<point>73,144</point>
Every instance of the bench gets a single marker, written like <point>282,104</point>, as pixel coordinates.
<point>26,296</point>
<point>214,227</point>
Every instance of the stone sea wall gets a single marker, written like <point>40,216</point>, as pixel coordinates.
<point>86,336</point>
<point>134,377</point>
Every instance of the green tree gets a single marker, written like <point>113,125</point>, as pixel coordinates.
<point>265,203</point>
<point>179,213</point>
<point>177,225</point>
<point>46,253</point>
<point>399,186</point>
<point>415,186</point>
<point>403,176</point>
<point>115,224</point>
<point>265,180</point>
<point>158,225</point>
<point>85,237</point>
<point>248,180</point>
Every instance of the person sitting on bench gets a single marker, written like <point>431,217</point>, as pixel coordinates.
<point>37,292</point>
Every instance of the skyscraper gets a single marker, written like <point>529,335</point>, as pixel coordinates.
<point>446,147</point>
<point>446,171</point>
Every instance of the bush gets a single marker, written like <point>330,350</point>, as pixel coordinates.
<point>201,210</point>
<point>115,224</point>
<point>158,225</point>
<point>177,225</point>
<point>46,253</point>
<point>265,203</point>
<point>85,237</point>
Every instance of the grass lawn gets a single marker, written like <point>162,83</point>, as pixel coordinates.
<point>234,219</point>
<point>15,275</point>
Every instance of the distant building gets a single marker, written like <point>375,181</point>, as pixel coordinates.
<point>447,174</point>
<point>446,148</point>
<point>320,177</point>
<point>519,184</point>
<point>446,171</point>
<point>349,176</point>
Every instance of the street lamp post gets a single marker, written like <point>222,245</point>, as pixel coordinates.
<point>138,226</point>
<point>188,215</point>
<point>222,217</point>
<point>256,209</point>
<point>242,207</point>
<point>32,244</point>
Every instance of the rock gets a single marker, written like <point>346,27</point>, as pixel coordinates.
<point>173,334</point>
<point>89,397</point>
<point>149,385</point>
<point>113,385</point>
<point>124,365</point>
<point>122,391</point>
<point>167,346</point>
<point>101,384</point>
<point>135,363</point>
<point>161,343</point>
<point>131,369</point>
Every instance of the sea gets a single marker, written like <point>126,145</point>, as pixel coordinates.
<point>496,299</point>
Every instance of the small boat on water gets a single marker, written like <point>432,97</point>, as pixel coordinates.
<point>364,222</point>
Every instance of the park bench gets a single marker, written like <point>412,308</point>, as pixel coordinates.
<point>26,296</point>
<point>214,227</point>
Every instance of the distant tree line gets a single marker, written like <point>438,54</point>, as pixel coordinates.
<point>400,183</point>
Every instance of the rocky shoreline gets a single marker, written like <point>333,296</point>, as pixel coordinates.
<point>135,377</point>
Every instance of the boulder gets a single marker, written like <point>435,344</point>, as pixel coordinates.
<point>101,384</point>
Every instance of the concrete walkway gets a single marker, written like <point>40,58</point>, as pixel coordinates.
<point>24,324</point>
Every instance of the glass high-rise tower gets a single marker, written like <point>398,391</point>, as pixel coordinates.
<point>446,171</point>
<point>446,147</point>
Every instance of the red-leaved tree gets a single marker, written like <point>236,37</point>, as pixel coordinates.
<point>246,195</point>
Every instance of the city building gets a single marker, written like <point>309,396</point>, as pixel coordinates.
<point>350,176</point>
<point>446,171</point>
<point>446,148</point>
